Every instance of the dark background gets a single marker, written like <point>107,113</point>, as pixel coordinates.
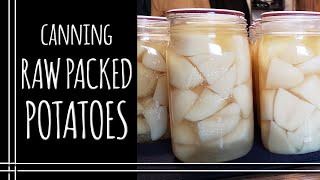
<point>31,15</point>
<point>4,89</point>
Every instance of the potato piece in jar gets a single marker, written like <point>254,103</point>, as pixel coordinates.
<point>140,49</point>
<point>224,86</point>
<point>243,59</point>
<point>142,126</point>
<point>290,111</point>
<point>206,105</point>
<point>147,81</point>
<point>220,124</point>
<point>289,49</point>
<point>145,101</point>
<point>243,96</point>
<point>309,90</point>
<point>190,45</point>
<point>156,116</point>
<point>161,92</point>
<point>183,74</point>
<point>139,108</point>
<point>241,136</point>
<point>182,101</point>
<point>278,140</point>
<point>233,145</point>
<point>267,101</point>
<point>310,67</point>
<point>152,59</point>
<point>283,75</point>
<point>313,143</point>
<point>315,118</point>
<point>265,131</point>
<point>185,132</point>
<point>297,137</point>
<point>307,137</point>
<point>160,46</point>
<point>184,152</point>
<point>213,66</point>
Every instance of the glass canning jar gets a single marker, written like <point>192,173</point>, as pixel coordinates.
<point>255,40</point>
<point>289,81</point>
<point>152,103</point>
<point>251,33</point>
<point>210,85</point>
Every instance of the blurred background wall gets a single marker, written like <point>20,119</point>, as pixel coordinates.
<point>308,5</point>
<point>252,8</point>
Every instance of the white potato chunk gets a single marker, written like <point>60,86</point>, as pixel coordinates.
<point>182,74</point>
<point>190,45</point>
<point>307,138</point>
<point>152,59</point>
<point>243,96</point>
<point>140,49</point>
<point>182,101</point>
<point>315,118</point>
<point>213,66</point>
<point>311,141</point>
<point>313,145</point>
<point>278,140</point>
<point>290,111</point>
<point>302,134</point>
<point>241,136</point>
<point>243,61</point>
<point>206,105</point>
<point>266,104</point>
<point>224,86</point>
<point>309,90</point>
<point>160,47</point>
<point>220,124</point>
<point>310,67</point>
<point>157,118</point>
<point>184,152</point>
<point>233,145</point>
<point>291,51</point>
<point>185,132</point>
<point>265,131</point>
<point>147,81</point>
<point>283,75</point>
<point>161,92</point>
<point>139,108</point>
<point>142,126</point>
<point>145,101</point>
<point>217,152</point>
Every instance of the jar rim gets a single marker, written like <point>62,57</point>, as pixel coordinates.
<point>289,13</point>
<point>257,20</point>
<point>206,10</point>
<point>152,18</point>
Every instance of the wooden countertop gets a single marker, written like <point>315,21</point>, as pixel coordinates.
<point>283,176</point>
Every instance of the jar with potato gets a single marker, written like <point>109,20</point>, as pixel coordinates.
<point>255,41</point>
<point>210,85</point>
<point>152,102</point>
<point>289,82</point>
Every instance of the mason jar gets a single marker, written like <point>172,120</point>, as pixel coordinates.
<point>254,44</point>
<point>152,104</point>
<point>210,85</point>
<point>289,82</point>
